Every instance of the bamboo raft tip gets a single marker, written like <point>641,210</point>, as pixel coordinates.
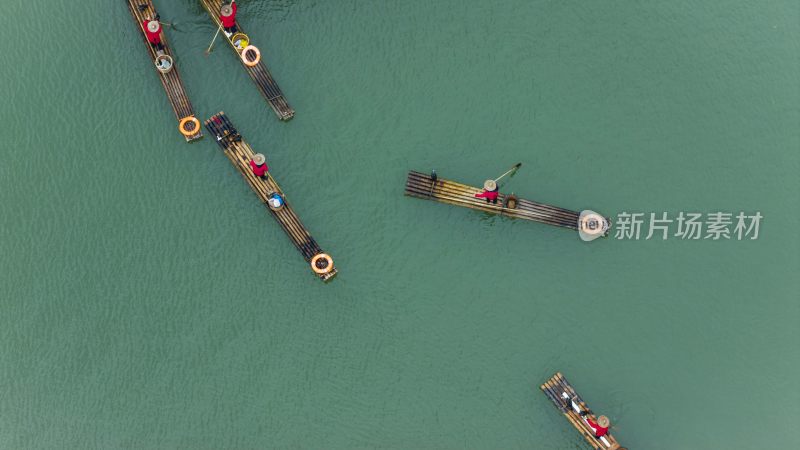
<point>198,128</point>
<point>330,275</point>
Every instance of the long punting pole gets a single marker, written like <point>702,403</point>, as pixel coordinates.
<point>420,185</point>
<point>258,73</point>
<point>553,389</point>
<point>208,50</point>
<point>513,169</point>
<point>240,154</point>
<point>173,85</point>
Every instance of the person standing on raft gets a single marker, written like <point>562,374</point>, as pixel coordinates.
<point>227,15</point>
<point>489,192</point>
<point>259,166</point>
<point>152,29</point>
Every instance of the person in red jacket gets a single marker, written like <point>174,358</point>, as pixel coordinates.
<point>227,15</point>
<point>489,192</point>
<point>259,166</point>
<point>600,427</point>
<point>152,29</point>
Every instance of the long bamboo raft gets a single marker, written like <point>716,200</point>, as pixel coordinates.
<point>553,389</point>
<point>240,154</point>
<point>259,73</point>
<point>421,185</point>
<point>173,85</point>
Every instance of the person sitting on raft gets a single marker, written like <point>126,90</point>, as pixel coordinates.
<point>489,192</point>
<point>227,15</point>
<point>600,427</point>
<point>259,166</point>
<point>152,29</point>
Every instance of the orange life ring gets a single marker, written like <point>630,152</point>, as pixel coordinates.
<point>248,62</point>
<point>318,261</point>
<point>186,132</point>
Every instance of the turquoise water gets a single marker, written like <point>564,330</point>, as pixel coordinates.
<point>148,301</point>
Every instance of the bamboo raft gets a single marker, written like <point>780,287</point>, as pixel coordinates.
<point>240,154</point>
<point>173,85</point>
<point>553,389</point>
<point>259,73</point>
<point>421,185</point>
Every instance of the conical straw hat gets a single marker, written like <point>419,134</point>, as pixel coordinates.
<point>259,159</point>
<point>489,185</point>
<point>603,421</point>
<point>226,10</point>
<point>153,26</point>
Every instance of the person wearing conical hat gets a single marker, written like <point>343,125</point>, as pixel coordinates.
<point>600,427</point>
<point>227,15</point>
<point>152,29</point>
<point>259,166</point>
<point>489,192</point>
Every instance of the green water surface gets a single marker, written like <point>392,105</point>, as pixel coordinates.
<point>147,300</point>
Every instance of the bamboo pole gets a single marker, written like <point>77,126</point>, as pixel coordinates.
<point>421,176</point>
<point>461,195</point>
<point>470,191</point>
<point>513,169</point>
<point>208,50</point>
<point>524,206</point>
<point>468,199</point>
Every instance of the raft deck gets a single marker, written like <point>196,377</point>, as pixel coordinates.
<point>240,154</point>
<point>445,191</point>
<point>553,389</point>
<point>173,85</point>
<point>259,73</point>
